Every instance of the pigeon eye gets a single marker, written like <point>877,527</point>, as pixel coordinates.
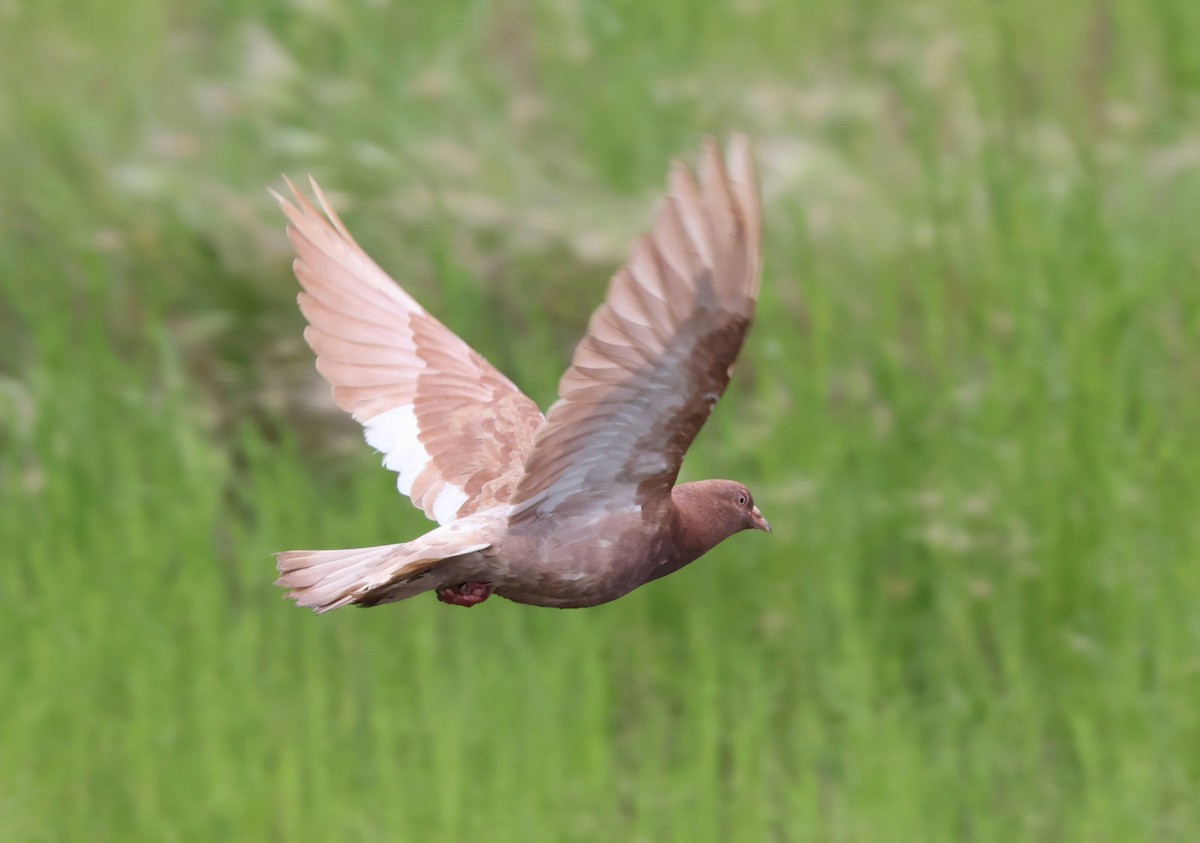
<point>742,499</point>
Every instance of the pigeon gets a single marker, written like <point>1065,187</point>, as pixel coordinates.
<point>569,509</point>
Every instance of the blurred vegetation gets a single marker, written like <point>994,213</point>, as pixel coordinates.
<point>970,408</point>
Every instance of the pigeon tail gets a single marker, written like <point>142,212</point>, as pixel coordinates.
<point>323,580</point>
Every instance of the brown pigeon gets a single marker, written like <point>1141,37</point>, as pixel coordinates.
<point>571,509</point>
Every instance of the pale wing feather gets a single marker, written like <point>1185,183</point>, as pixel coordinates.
<point>659,352</point>
<point>454,428</point>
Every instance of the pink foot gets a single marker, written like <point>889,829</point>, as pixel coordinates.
<point>465,594</point>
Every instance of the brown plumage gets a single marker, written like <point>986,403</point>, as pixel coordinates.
<point>572,509</point>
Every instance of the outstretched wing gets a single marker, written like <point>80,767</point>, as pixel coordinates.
<point>455,429</point>
<point>660,350</point>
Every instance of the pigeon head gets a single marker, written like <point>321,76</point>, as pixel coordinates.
<point>711,511</point>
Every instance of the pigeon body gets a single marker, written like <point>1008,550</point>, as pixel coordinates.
<point>571,509</point>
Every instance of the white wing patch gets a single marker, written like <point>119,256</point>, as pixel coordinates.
<point>394,434</point>
<point>449,501</point>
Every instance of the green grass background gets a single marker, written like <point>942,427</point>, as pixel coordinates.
<point>970,407</point>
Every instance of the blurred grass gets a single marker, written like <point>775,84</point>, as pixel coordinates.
<point>970,408</point>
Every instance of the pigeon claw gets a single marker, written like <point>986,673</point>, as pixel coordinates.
<point>465,594</point>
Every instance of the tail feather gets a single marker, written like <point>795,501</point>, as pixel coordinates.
<point>307,568</point>
<point>323,580</point>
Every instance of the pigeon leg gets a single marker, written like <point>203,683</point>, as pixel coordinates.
<point>465,594</point>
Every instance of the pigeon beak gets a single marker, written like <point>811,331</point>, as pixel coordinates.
<point>758,522</point>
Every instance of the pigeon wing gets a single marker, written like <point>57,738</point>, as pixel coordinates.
<point>455,429</point>
<point>658,352</point>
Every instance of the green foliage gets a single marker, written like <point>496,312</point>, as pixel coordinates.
<point>970,408</point>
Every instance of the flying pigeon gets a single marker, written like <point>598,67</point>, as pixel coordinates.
<point>579,506</point>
